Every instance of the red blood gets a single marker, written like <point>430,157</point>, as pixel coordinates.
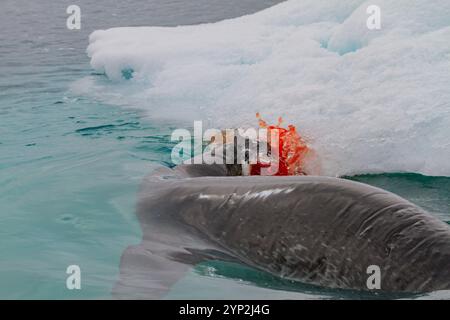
<point>292,150</point>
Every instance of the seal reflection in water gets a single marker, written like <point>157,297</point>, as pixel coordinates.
<point>318,230</point>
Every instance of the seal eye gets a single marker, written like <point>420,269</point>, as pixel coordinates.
<point>320,262</point>
<point>388,249</point>
<point>390,244</point>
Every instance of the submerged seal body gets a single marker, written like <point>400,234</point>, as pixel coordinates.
<point>318,230</point>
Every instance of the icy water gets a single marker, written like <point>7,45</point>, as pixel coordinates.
<point>70,166</point>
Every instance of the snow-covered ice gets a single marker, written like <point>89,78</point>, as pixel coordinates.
<point>367,100</point>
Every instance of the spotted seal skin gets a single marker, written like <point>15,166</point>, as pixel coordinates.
<point>318,230</point>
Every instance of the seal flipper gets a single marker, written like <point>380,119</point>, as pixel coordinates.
<point>145,275</point>
<point>148,275</point>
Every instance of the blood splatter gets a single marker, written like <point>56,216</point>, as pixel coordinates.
<point>292,150</point>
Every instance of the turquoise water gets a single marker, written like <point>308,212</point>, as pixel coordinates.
<point>431,193</point>
<point>70,166</point>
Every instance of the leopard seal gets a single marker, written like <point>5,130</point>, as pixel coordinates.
<point>314,229</point>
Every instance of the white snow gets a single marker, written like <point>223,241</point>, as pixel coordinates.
<point>367,100</point>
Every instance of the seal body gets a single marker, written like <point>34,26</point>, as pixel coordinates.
<point>318,230</point>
